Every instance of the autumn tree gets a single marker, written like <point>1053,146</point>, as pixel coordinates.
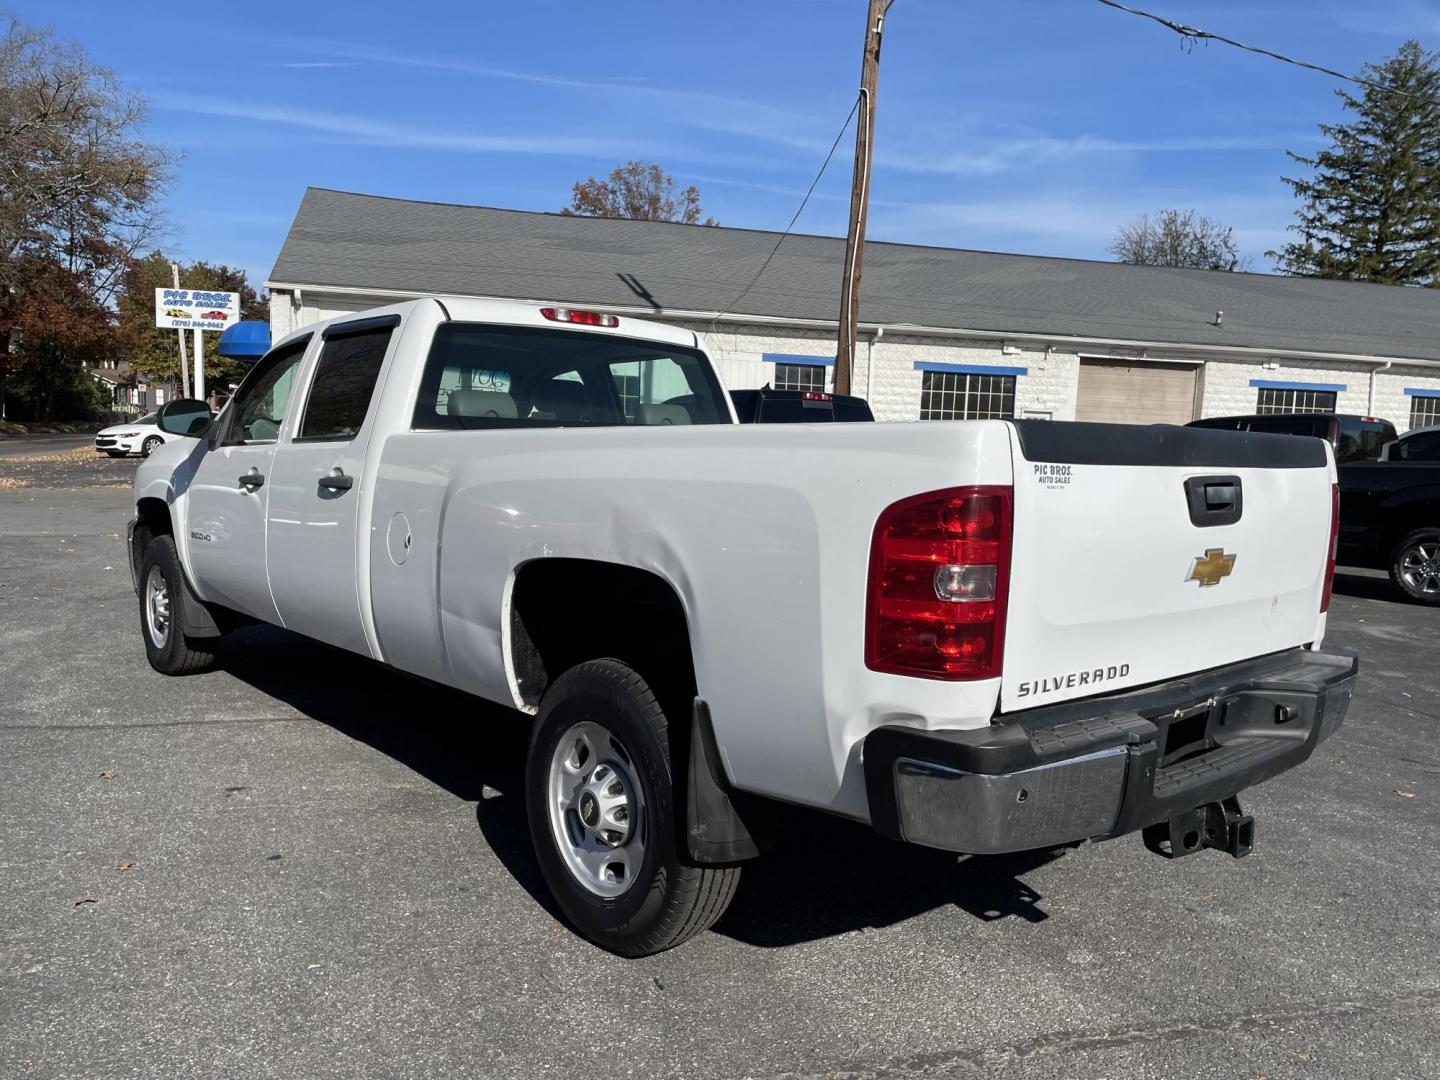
<point>638,190</point>
<point>78,187</point>
<point>1182,238</point>
<point>1370,209</point>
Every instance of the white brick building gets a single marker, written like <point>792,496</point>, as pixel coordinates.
<point>944,333</point>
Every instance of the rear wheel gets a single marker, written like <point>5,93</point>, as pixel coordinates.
<point>600,796</point>
<point>167,648</point>
<point>1415,565</point>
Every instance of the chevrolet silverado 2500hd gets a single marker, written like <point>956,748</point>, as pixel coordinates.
<point>979,636</point>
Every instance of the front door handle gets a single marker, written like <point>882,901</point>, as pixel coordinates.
<point>337,481</point>
<point>252,480</point>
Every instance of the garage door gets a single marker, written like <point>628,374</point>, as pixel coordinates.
<point>1136,392</point>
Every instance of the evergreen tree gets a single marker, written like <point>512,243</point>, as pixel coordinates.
<point>1372,203</point>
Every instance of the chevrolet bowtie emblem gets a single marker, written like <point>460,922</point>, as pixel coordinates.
<point>1211,567</point>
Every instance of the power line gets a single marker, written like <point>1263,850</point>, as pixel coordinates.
<point>796,217</point>
<point>1192,34</point>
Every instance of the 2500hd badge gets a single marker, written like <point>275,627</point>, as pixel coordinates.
<point>1074,679</point>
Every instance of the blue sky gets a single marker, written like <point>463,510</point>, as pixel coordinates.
<point>1035,126</point>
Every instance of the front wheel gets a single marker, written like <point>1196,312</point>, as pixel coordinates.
<point>167,648</point>
<point>150,445</point>
<point>1415,566</point>
<point>600,797</point>
<point>114,453</point>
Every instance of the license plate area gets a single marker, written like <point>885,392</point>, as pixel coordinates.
<point>1187,732</point>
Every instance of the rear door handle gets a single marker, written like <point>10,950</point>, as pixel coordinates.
<point>252,480</point>
<point>337,481</point>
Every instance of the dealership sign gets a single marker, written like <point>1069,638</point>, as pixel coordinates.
<point>194,309</point>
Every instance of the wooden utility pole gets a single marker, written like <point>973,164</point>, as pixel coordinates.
<point>184,360</point>
<point>859,196</point>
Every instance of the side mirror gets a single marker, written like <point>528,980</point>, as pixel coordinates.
<point>184,416</point>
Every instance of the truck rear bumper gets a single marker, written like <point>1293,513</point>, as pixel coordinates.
<point>1106,766</point>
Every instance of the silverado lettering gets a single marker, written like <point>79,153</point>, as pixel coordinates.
<point>1073,679</point>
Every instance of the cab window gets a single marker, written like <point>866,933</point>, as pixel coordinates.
<point>483,376</point>
<point>344,381</point>
<point>257,410</point>
<point>1422,447</point>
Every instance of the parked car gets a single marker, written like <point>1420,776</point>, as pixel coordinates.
<point>982,636</point>
<point>767,406</point>
<point>140,436</point>
<point>1355,438</point>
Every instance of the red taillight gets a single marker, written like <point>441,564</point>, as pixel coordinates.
<point>574,315</point>
<point>939,579</point>
<point>1334,545</point>
<point>811,395</point>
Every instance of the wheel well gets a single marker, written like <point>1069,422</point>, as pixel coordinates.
<point>566,611</point>
<point>152,519</point>
<point>1405,519</point>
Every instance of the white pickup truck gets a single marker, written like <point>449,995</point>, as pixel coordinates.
<point>980,636</point>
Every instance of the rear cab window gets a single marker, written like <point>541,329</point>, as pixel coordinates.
<point>344,381</point>
<point>1362,440</point>
<point>480,375</point>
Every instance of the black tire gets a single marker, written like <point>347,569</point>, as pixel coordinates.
<point>1417,550</point>
<point>666,900</point>
<point>170,652</point>
<point>148,446</point>
<point>115,453</point>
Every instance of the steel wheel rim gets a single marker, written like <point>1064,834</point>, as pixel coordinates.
<point>1420,568</point>
<point>596,809</point>
<point>157,607</point>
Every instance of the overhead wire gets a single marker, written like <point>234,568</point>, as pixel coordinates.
<point>794,218</point>
<point>1193,34</point>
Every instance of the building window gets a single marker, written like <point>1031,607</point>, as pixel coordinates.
<point>956,395</point>
<point>799,377</point>
<point>1294,400</point>
<point>1424,411</point>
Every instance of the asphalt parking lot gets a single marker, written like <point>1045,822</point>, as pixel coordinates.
<point>305,866</point>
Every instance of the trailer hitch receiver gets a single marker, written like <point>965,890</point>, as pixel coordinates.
<point>1219,825</point>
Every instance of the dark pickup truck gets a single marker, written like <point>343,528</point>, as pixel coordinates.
<point>1390,520</point>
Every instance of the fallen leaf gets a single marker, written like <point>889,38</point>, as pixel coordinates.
<point>125,867</point>
<point>86,900</point>
<point>107,776</point>
<point>1405,794</point>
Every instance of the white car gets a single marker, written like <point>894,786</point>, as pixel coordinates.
<point>984,637</point>
<point>137,437</point>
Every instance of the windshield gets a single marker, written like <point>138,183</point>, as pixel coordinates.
<point>148,418</point>
<point>483,376</point>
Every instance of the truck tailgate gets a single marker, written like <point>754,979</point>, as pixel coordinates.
<point>1128,568</point>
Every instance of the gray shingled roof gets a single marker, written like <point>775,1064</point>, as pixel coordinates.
<point>369,242</point>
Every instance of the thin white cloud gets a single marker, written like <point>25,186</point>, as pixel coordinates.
<point>386,133</point>
<point>317,64</point>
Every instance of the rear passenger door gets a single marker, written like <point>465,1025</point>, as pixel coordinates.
<point>317,508</point>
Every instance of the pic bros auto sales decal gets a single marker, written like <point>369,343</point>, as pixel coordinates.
<point>194,309</point>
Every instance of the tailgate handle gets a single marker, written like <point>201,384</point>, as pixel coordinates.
<point>1214,500</point>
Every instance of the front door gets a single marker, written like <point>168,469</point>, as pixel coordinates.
<point>315,497</point>
<point>227,499</point>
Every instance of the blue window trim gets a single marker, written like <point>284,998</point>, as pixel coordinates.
<point>1275,384</point>
<point>792,358</point>
<point>1421,391</point>
<point>970,369</point>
